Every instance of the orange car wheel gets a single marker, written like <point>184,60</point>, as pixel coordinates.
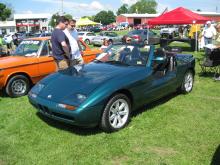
<point>17,86</point>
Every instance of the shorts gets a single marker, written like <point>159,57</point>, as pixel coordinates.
<point>63,64</point>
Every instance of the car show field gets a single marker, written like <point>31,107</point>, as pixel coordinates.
<point>177,129</point>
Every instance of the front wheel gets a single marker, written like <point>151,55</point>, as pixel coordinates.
<point>116,113</point>
<point>17,86</point>
<point>187,84</point>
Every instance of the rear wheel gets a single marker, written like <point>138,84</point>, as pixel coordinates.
<point>87,41</point>
<point>17,86</point>
<point>187,84</point>
<point>116,113</point>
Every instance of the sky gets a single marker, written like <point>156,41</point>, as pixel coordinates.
<point>79,8</point>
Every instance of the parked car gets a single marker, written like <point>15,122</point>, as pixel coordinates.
<point>86,36</point>
<point>31,61</point>
<point>169,32</point>
<point>143,36</point>
<point>118,81</point>
<point>119,27</point>
<point>112,37</point>
<point>95,29</point>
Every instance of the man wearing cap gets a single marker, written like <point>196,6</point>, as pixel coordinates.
<point>209,33</point>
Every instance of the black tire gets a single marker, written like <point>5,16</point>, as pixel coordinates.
<point>87,41</point>
<point>120,118</point>
<point>187,83</point>
<point>17,86</point>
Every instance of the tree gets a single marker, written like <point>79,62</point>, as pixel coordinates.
<point>105,17</point>
<point>144,6</point>
<point>199,10</point>
<point>5,12</point>
<point>89,17</point>
<point>56,16</point>
<point>122,10</point>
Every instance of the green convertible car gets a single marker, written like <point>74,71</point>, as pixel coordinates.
<point>118,81</point>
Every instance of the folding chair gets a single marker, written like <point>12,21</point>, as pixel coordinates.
<point>211,63</point>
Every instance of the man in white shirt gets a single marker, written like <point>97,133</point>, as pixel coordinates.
<point>76,56</point>
<point>209,33</point>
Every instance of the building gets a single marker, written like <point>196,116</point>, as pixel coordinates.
<point>32,22</point>
<point>26,22</point>
<point>136,19</point>
<point>214,16</point>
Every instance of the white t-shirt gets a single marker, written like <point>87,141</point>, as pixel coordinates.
<point>74,33</point>
<point>75,52</point>
<point>209,32</point>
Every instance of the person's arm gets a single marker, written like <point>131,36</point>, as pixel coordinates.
<point>65,48</point>
<point>61,38</point>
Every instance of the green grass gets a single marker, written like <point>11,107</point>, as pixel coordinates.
<point>177,130</point>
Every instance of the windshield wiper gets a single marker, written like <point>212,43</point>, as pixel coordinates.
<point>97,61</point>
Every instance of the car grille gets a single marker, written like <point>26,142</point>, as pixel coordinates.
<point>48,112</point>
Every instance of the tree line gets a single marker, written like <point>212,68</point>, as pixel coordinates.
<point>104,17</point>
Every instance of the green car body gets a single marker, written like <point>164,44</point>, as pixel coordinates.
<point>89,90</point>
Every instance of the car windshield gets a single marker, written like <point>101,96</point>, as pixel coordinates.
<point>27,48</point>
<point>124,55</point>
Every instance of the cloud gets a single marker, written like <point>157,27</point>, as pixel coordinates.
<point>129,2</point>
<point>27,12</point>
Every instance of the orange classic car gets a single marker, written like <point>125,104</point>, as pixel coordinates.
<point>31,61</point>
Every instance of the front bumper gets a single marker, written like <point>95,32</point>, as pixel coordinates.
<point>88,116</point>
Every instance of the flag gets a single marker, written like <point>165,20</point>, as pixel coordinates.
<point>165,11</point>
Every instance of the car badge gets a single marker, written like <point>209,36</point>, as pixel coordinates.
<point>49,96</point>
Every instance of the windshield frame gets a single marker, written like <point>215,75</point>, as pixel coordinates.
<point>109,61</point>
<point>23,55</point>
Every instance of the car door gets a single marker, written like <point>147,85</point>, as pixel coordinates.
<point>157,83</point>
<point>164,80</point>
<point>90,36</point>
<point>47,64</point>
<point>87,54</point>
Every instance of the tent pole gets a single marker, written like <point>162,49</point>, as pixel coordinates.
<point>196,39</point>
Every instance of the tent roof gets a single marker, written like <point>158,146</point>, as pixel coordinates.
<point>85,21</point>
<point>178,16</point>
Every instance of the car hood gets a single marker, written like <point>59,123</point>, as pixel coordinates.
<point>65,84</point>
<point>15,61</point>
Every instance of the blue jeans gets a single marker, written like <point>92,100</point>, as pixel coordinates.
<point>208,40</point>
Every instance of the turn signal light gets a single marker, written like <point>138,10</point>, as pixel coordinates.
<point>68,107</point>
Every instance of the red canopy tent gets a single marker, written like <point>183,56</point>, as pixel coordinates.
<point>178,16</point>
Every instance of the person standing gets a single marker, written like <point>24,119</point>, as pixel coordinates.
<point>74,33</point>
<point>217,46</point>
<point>60,44</point>
<point>76,57</point>
<point>209,33</point>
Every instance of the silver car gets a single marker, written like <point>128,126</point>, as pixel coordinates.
<point>112,37</point>
<point>86,36</point>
